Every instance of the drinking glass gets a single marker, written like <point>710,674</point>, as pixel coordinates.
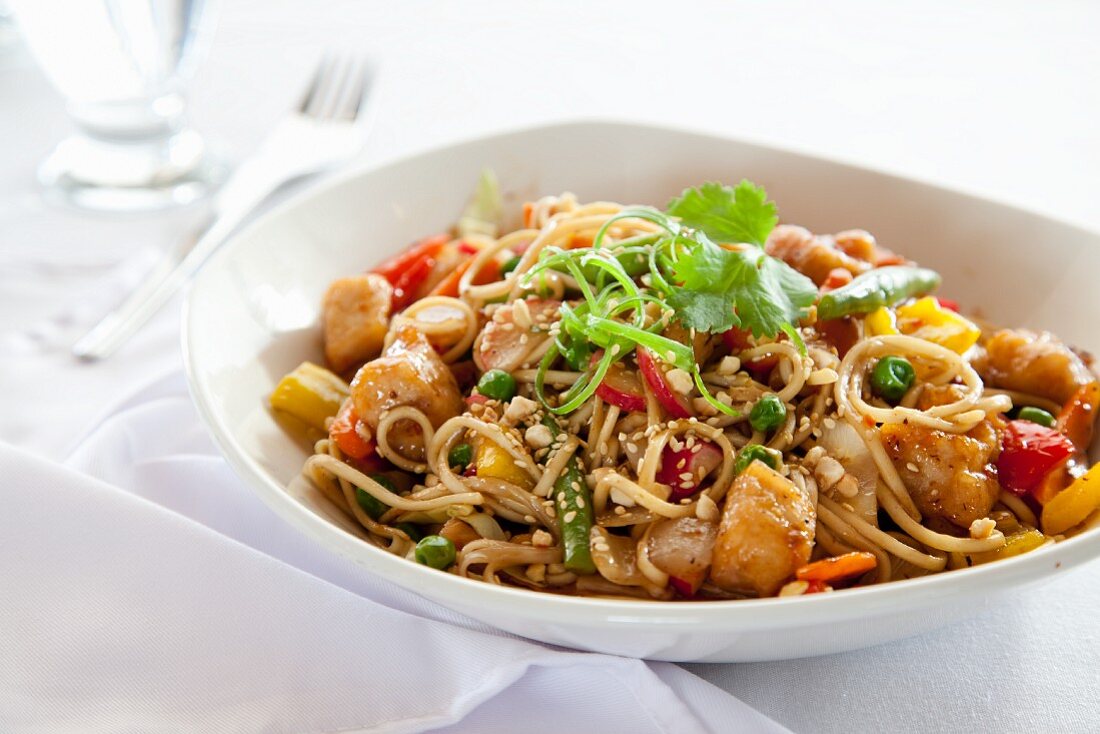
<point>121,66</point>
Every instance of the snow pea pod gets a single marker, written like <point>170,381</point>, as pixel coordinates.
<point>573,502</point>
<point>875,289</point>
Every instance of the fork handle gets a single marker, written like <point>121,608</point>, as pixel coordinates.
<point>119,325</point>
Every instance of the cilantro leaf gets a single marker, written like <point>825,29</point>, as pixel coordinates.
<point>722,288</point>
<point>727,214</point>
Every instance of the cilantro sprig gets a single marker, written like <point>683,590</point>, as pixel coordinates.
<point>726,214</point>
<point>714,288</point>
<point>708,267</point>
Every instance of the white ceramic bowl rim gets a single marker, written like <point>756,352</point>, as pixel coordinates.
<point>741,614</point>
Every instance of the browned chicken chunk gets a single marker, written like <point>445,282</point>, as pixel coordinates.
<point>356,316</point>
<point>815,257</point>
<point>767,531</point>
<point>949,475</point>
<point>409,373</point>
<point>1036,363</point>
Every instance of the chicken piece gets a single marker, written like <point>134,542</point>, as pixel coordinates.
<point>1036,363</point>
<point>815,257</point>
<point>952,476</point>
<point>356,315</point>
<point>411,373</point>
<point>767,531</point>
<point>683,548</point>
<point>861,245</point>
<point>513,332</point>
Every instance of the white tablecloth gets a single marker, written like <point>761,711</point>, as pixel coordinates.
<point>999,98</point>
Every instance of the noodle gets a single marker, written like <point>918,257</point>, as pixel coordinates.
<point>596,437</point>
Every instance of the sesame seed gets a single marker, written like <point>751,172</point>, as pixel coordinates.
<point>620,510</point>
<point>912,467</point>
<point>686,475</point>
<point>570,516</point>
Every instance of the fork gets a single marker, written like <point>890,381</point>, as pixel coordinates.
<point>328,127</point>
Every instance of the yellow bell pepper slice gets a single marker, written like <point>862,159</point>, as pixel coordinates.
<point>310,393</point>
<point>1072,505</point>
<point>880,322</point>
<point>1015,545</point>
<point>493,461</point>
<point>926,319</point>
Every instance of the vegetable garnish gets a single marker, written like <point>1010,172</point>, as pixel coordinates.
<point>876,288</point>
<point>705,286</point>
<point>726,214</point>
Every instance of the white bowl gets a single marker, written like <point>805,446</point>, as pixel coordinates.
<point>251,316</point>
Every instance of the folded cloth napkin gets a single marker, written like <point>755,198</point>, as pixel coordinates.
<point>144,588</point>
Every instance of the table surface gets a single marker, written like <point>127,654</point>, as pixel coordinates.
<point>991,97</point>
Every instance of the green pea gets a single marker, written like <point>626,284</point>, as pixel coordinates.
<point>460,455</point>
<point>768,413</point>
<point>410,530</point>
<point>892,377</point>
<point>435,551</point>
<point>509,266</point>
<point>498,385</point>
<point>1036,415</point>
<point>754,452</point>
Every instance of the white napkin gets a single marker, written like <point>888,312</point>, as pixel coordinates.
<point>163,596</point>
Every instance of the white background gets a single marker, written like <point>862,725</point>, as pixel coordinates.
<point>993,97</point>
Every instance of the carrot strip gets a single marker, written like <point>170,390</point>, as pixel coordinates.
<point>489,273</point>
<point>344,434</point>
<point>840,567</point>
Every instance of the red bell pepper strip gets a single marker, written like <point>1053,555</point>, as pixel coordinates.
<point>1028,452</point>
<point>737,339</point>
<point>684,588</point>
<point>406,271</point>
<point>344,434</point>
<point>836,278</point>
<point>948,304</point>
<point>404,290</point>
<point>393,268</point>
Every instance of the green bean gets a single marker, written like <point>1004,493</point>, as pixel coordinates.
<point>573,503</point>
<point>371,504</point>
<point>875,289</point>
